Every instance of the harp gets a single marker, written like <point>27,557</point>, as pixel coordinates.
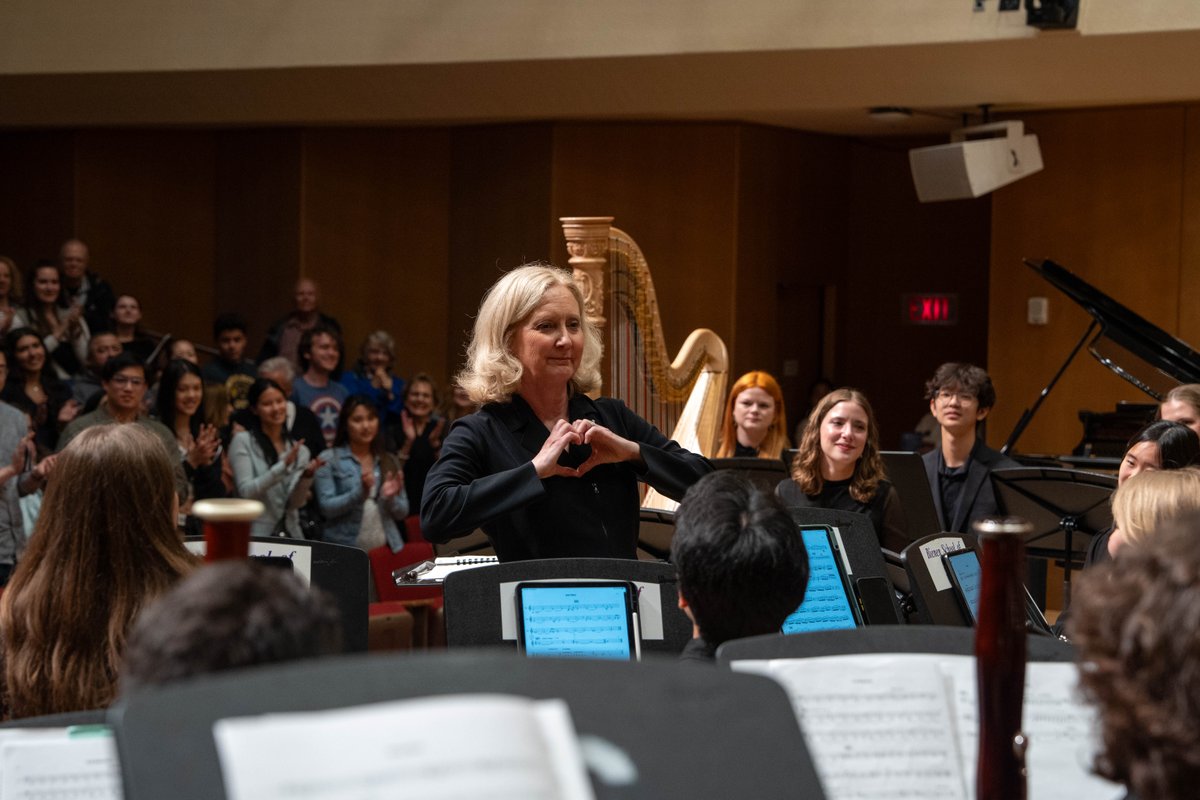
<point>682,396</point>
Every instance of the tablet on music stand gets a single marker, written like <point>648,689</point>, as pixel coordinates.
<point>578,619</point>
<point>829,602</point>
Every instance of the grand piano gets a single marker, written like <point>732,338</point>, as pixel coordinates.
<point>1131,346</point>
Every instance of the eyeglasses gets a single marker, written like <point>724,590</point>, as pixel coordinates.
<point>945,395</point>
<point>128,380</point>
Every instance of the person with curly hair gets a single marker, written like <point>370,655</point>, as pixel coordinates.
<point>837,465</point>
<point>1135,624</point>
<point>229,615</point>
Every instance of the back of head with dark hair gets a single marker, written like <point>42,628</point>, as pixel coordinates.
<point>1178,445</point>
<point>226,616</point>
<point>962,377</point>
<point>229,321</point>
<point>740,558</point>
<point>119,362</point>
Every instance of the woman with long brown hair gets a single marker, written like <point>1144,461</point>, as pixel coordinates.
<point>755,425</point>
<point>838,466</point>
<point>105,545</point>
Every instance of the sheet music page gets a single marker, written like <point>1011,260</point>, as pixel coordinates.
<point>877,726</point>
<point>437,748</point>
<point>1060,726</point>
<point>39,765</point>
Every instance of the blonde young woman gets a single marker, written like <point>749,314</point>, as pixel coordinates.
<point>546,471</point>
<point>1150,502</point>
<point>755,424</point>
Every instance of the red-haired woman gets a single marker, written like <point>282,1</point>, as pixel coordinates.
<point>755,425</point>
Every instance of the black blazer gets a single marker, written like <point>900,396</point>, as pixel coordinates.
<point>485,479</point>
<point>978,498</point>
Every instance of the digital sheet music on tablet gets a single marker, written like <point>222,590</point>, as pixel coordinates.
<point>827,604</point>
<point>579,620</point>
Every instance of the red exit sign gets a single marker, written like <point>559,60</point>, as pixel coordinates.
<point>931,309</point>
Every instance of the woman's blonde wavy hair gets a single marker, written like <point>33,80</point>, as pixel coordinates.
<point>492,373</point>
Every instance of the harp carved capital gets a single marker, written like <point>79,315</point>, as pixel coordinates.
<point>587,246</point>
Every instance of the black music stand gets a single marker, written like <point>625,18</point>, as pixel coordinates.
<point>1058,503</point>
<point>698,733</point>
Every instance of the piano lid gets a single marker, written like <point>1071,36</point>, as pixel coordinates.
<point>1128,344</point>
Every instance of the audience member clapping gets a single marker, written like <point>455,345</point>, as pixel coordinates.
<point>84,288</point>
<point>181,408</point>
<point>360,488</point>
<point>372,376</point>
<point>316,387</point>
<point>417,439</point>
<point>33,387</point>
<point>269,466</point>
<point>104,546</point>
<point>229,615</point>
<point>64,331</point>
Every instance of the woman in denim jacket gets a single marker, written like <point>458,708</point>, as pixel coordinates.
<point>360,488</point>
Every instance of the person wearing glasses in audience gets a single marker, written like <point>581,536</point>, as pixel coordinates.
<point>960,398</point>
<point>124,382</point>
<point>545,470</point>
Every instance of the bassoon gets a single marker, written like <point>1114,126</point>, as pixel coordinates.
<point>1000,660</point>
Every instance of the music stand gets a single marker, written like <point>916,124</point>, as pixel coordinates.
<point>1057,502</point>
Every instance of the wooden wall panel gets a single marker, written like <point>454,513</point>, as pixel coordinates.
<point>37,206</point>
<point>791,242</point>
<point>897,245</point>
<point>258,226</point>
<point>145,204</point>
<point>672,187</point>
<point>374,236</point>
<point>500,217</point>
<point>1189,257</point>
<point>1107,207</point>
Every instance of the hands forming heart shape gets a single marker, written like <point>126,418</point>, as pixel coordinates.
<point>574,448</point>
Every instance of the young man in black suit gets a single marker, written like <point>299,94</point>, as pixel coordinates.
<point>960,397</point>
